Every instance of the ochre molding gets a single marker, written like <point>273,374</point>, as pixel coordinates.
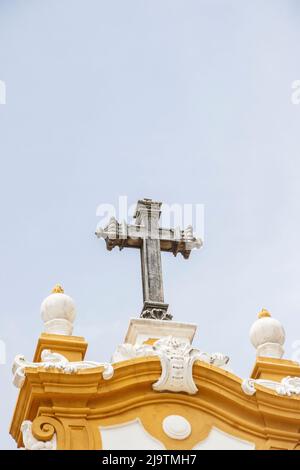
<point>72,347</point>
<point>80,403</point>
<point>274,369</point>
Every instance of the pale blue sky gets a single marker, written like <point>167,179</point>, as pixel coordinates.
<point>183,101</point>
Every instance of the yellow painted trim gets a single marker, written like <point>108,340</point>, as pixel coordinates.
<point>77,404</point>
<point>274,369</point>
<point>72,347</point>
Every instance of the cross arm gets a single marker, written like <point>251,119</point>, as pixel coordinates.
<point>132,236</point>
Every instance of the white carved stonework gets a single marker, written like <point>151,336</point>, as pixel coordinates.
<point>177,358</point>
<point>142,329</point>
<point>55,361</point>
<point>58,312</point>
<point>248,386</point>
<point>127,351</point>
<point>31,443</point>
<point>176,427</point>
<point>288,386</point>
<point>267,336</point>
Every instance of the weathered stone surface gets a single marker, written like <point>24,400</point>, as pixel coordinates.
<point>150,239</point>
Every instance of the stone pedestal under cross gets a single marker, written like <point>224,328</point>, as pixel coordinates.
<point>150,239</point>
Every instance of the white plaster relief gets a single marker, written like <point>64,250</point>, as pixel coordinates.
<point>31,443</point>
<point>177,358</point>
<point>177,427</point>
<point>55,361</point>
<point>288,386</point>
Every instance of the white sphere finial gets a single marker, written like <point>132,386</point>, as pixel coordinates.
<point>58,312</point>
<point>267,335</point>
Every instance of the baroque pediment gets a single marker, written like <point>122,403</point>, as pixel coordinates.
<point>74,404</point>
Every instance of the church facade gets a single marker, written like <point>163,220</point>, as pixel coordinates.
<point>159,391</point>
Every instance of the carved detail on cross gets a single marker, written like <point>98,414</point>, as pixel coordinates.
<point>150,239</point>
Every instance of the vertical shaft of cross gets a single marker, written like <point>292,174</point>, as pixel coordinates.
<point>147,215</point>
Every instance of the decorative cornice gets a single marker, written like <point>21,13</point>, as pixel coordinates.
<point>288,386</point>
<point>72,347</point>
<point>266,418</point>
<point>274,369</point>
<point>55,361</point>
<point>177,358</point>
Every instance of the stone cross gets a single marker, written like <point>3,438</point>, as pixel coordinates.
<point>150,239</point>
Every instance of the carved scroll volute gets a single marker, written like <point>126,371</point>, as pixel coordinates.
<point>44,428</point>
